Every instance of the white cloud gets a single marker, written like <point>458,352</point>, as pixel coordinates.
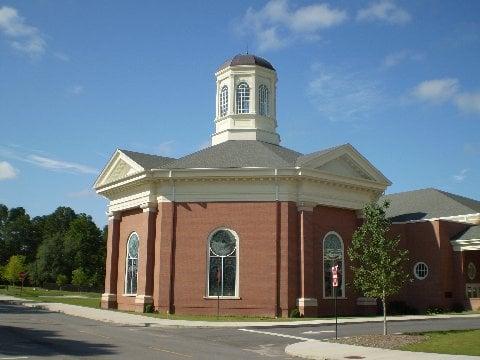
<point>7,171</point>
<point>468,102</point>
<point>23,37</point>
<point>461,176</point>
<point>53,164</point>
<point>437,90</point>
<point>386,11</point>
<point>399,57</point>
<point>76,90</point>
<point>276,24</point>
<point>343,96</point>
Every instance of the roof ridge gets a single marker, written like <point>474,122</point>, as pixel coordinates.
<point>142,153</point>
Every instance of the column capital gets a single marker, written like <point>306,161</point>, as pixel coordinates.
<point>149,207</point>
<point>306,205</point>
<point>114,215</point>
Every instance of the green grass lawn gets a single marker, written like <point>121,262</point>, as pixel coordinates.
<point>65,297</point>
<point>462,342</point>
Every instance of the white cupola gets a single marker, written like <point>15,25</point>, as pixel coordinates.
<point>246,101</point>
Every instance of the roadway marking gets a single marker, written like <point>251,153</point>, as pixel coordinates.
<point>277,334</point>
<point>319,332</point>
<point>15,357</point>
<point>89,333</point>
<point>170,352</point>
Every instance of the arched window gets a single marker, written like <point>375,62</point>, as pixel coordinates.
<point>263,100</point>
<point>243,98</point>
<point>224,100</point>
<point>333,255</point>
<point>131,264</point>
<point>222,263</point>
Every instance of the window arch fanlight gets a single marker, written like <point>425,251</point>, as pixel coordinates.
<point>263,100</point>
<point>223,100</point>
<point>333,254</point>
<point>222,264</point>
<point>243,98</point>
<point>131,268</point>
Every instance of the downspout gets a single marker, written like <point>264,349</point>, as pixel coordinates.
<point>173,245</point>
<point>277,246</point>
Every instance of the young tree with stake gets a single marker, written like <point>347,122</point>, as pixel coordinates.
<point>378,261</point>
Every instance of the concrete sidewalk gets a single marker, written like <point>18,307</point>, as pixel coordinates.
<point>123,318</point>
<point>323,350</point>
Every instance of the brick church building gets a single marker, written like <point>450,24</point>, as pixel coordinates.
<point>257,226</point>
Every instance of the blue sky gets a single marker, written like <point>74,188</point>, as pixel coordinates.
<point>398,80</point>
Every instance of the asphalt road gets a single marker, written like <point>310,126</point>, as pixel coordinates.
<point>27,333</point>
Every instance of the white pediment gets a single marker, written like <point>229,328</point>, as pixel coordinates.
<point>345,166</point>
<point>346,161</point>
<point>120,166</point>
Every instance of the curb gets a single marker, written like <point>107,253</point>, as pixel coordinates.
<point>142,320</point>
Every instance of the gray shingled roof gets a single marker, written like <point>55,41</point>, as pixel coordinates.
<point>247,59</point>
<point>147,161</point>
<point>471,233</point>
<point>427,204</point>
<point>237,154</point>
<point>230,154</point>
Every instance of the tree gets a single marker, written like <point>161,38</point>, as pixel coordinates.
<point>15,266</point>
<point>17,237</point>
<point>83,245</point>
<point>79,277</point>
<point>62,280</point>
<point>378,262</point>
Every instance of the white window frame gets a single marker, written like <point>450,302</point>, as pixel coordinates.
<point>242,97</point>
<point>415,267</point>
<point>237,266</point>
<point>126,264</point>
<point>263,100</point>
<point>343,266</point>
<point>223,101</point>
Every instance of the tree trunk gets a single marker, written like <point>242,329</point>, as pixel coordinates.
<point>384,303</point>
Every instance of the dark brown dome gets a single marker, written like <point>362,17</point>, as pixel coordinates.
<point>247,59</point>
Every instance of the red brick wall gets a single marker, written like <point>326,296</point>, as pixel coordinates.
<point>255,224</point>
<point>429,242</point>
<point>131,220</point>
<point>344,222</point>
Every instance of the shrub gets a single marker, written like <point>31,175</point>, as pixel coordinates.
<point>457,307</point>
<point>149,308</point>
<point>62,280</point>
<point>79,278</point>
<point>295,313</point>
<point>401,308</point>
<point>434,310</point>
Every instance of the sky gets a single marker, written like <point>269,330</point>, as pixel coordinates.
<point>399,80</point>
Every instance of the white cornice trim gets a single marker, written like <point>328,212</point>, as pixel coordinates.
<point>472,219</point>
<point>465,245</point>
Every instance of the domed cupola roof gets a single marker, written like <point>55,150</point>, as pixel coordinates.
<point>247,59</point>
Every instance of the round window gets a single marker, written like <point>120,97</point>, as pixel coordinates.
<point>471,271</point>
<point>223,243</point>
<point>420,270</point>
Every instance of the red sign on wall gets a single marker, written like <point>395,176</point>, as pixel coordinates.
<point>335,276</point>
